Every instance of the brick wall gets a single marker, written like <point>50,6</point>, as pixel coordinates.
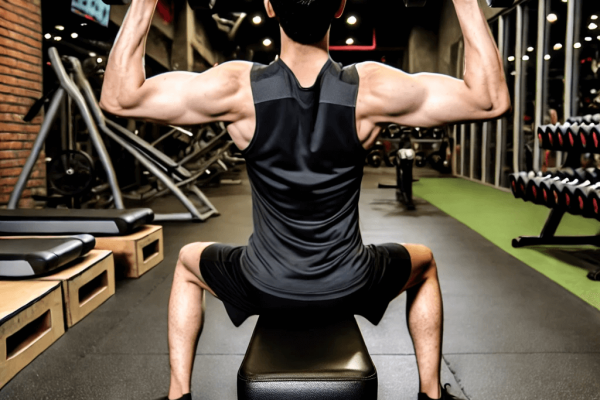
<point>20,86</point>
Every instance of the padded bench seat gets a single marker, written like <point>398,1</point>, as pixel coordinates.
<point>68,222</point>
<point>26,258</point>
<point>307,359</point>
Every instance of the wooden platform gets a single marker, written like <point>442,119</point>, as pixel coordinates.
<point>31,319</point>
<point>137,253</point>
<point>86,285</point>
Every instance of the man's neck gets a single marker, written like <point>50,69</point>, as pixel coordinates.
<point>306,61</point>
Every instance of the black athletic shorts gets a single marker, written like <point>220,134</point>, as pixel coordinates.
<point>221,269</point>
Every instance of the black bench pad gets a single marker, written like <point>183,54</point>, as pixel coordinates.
<point>26,258</point>
<point>54,221</point>
<point>307,360</point>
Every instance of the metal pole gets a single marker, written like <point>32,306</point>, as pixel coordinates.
<point>472,132</point>
<point>74,93</point>
<point>518,103</point>
<point>462,149</point>
<point>454,139</point>
<point>484,150</point>
<point>500,121</point>
<point>569,42</point>
<point>38,146</point>
<point>539,86</point>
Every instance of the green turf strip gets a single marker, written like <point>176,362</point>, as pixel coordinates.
<point>499,217</point>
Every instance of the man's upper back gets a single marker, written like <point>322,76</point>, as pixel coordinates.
<point>305,164</point>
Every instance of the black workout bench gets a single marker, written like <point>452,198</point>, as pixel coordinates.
<point>307,358</point>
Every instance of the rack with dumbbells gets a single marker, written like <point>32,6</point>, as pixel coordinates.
<point>572,189</point>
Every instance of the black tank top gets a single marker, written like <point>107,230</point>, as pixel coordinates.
<point>305,165</point>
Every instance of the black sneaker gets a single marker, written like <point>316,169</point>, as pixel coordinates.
<point>445,395</point>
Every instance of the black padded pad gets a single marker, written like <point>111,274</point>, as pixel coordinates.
<point>307,359</point>
<point>54,221</point>
<point>25,258</point>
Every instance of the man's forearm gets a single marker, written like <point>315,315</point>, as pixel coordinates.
<point>125,68</point>
<point>484,73</point>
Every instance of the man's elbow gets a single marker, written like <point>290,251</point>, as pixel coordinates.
<point>501,106</point>
<point>110,104</point>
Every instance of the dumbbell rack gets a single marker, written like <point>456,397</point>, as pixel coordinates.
<point>575,148</point>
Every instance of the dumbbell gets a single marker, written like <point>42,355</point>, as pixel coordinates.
<point>547,135</point>
<point>573,197</point>
<point>491,3</point>
<point>544,193</point>
<point>518,182</point>
<point>533,189</point>
<point>582,203</point>
<point>420,159</point>
<point>376,155</point>
<point>593,204</point>
<point>589,136</point>
<point>586,119</point>
<point>561,190</point>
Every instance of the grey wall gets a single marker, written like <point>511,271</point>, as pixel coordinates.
<point>422,51</point>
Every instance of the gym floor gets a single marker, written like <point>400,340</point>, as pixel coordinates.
<point>510,332</point>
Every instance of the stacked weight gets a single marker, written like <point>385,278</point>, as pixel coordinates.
<point>574,191</point>
<point>580,134</point>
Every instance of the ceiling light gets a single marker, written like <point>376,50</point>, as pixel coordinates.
<point>511,58</point>
<point>48,36</point>
<point>525,58</point>
<point>552,18</point>
<point>257,20</point>
<point>592,26</point>
<point>588,39</point>
<point>84,24</point>
<point>92,54</point>
<point>59,28</point>
<point>74,35</point>
<point>349,41</point>
<point>267,42</point>
<point>547,57</point>
<point>57,38</point>
<point>99,60</point>
<point>594,17</point>
<point>557,46</point>
<point>564,1</point>
<point>352,20</point>
<point>598,37</point>
<point>530,49</point>
<point>593,91</point>
<point>577,45</point>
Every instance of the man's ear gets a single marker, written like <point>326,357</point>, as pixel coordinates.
<point>340,12</point>
<point>269,8</point>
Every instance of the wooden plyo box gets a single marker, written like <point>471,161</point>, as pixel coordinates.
<point>136,253</point>
<point>31,319</point>
<point>86,285</point>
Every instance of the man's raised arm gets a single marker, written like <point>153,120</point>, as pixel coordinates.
<point>428,100</point>
<point>178,98</point>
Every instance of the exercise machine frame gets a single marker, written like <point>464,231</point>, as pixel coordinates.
<point>82,93</point>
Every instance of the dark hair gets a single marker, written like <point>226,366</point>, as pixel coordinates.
<point>305,21</point>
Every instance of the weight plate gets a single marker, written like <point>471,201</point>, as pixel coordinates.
<point>71,173</point>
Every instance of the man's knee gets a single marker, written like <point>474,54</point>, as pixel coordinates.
<point>189,256</point>
<point>423,261</point>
